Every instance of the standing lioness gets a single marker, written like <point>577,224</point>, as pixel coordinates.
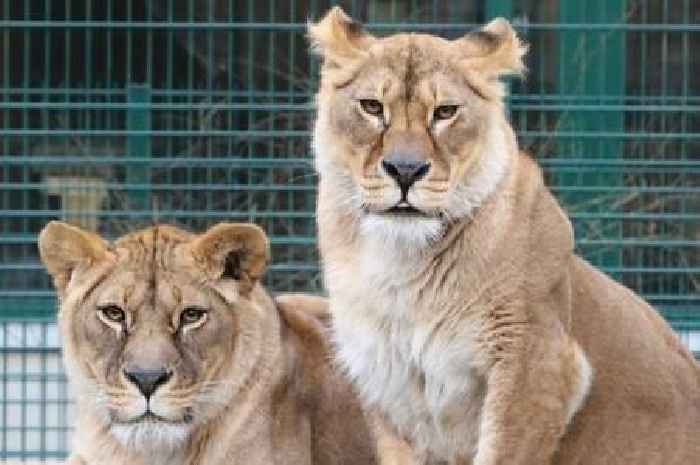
<point>459,308</point>
<point>178,356</point>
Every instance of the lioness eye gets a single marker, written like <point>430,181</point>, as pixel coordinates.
<point>444,112</point>
<point>192,315</point>
<point>373,107</point>
<point>112,313</point>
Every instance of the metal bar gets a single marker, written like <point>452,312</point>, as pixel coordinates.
<point>300,27</point>
<point>308,214</point>
<point>669,297</point>
<point>309,107</point>
<point>283,133</point>
<point>566,99</point>
<point>139,143</point>
<point>259,161</point>
<point>28,186</point>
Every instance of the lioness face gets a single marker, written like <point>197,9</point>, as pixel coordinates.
<point>411,126</point>
<point>154,323</point>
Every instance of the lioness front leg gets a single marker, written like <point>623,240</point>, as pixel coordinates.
<point>531,398</point>
<point>391,449</point>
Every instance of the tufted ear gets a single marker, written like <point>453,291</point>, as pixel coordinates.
<point>338,39</point>
<point>236,251</point>
<point>493,51</point>
<point>64,247</point>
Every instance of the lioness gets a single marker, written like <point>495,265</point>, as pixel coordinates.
<point>459,307</point>
<point>178,355</point>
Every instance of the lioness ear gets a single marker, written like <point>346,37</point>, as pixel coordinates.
<point>233,251</point>
<point>338,39</point>
<point>63,247</point>
<point>493,51</point>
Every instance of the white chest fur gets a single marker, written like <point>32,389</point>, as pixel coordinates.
<point>420,371</point>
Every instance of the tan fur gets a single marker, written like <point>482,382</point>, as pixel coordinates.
<point>251,385</point>
<point>469,326</point>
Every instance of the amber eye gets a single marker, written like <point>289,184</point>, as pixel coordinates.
<point>373,107</point>
<point>112,313</point>
<point>191,315</point>
<point>444,112</point>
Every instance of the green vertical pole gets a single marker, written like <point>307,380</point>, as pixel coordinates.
<point>167,202</point>
<point>496,8</point>
<point>592,64</point>
<point>139,145</point>
<point>502,8</point>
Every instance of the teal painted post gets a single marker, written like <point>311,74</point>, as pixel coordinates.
<point>592,65</point>
<point>502,8</point>
<point>496,8</point>
<point>138,174</point>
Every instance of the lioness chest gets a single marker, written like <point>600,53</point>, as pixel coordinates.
<point>411,361</point>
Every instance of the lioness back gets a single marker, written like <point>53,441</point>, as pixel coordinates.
<point>339,433</point>
<point>178,355</point>
<point>643,373</point>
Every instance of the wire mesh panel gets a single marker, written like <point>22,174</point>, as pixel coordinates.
<point>34,405</point>
<point>118,114</point>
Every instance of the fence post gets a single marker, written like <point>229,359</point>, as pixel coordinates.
<point>494,9</point>
<point>138,172</point>
<point>591,66</point>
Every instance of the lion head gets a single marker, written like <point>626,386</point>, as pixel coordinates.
<point>411,130</point>
<point>155,323</point>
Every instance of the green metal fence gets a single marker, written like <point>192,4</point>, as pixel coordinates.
<point>118,113</point>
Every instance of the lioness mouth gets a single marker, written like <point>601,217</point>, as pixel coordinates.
<point>404,211</point>
<point>403,208</point>
<point>150,417</point>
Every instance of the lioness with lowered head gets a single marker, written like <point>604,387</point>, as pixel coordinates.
<point>459,308</point>
<point>178,355</point>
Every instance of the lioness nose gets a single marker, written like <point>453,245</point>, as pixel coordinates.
<point>405,172</point>
<point>148,380</point>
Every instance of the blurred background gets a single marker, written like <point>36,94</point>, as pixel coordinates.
<point>116,114</point>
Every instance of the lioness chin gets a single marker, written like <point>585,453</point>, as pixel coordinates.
<point>459,309</point>
<point>178,355</point>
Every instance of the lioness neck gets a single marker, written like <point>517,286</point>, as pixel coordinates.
<point>517,207</point>
<point>395,308</point>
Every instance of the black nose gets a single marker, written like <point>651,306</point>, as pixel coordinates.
<point>148,380</point>
<point>405,172</point>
